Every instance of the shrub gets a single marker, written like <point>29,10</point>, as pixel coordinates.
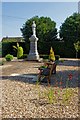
<point>51,55</point>
<point>2,62</point>
<point>44,56</point>
<point>24,56</point>
<point>62,61</point>
<point>6,48</point>
<point>19,51</point>
<point>57,57</point>
<point>77,47</point>
<point>9,57</point>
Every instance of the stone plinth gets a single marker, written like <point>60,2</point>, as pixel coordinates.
<point>33,54</point>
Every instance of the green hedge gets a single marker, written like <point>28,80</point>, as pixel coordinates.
<point>63,50</point>
<point>47,57</point>
<point>9,57</point>
<point>0,49</point>
<point>7,48</point>
<point>60,48</point>
<point>44,56</point>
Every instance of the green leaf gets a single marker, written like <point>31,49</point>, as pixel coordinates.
<point>15,47</point>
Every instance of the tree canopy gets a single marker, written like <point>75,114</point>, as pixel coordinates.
<point>45,30</point>
<point>77,46</point>
<point>70,29</point>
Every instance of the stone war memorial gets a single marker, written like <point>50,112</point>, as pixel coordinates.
<point>33,53</point>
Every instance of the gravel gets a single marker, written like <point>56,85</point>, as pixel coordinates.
<point>23,98</point>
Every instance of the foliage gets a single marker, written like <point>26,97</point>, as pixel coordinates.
<point>2,62</point>
<point>57,94</point>
<point>0,49</point>
<point>59,49</point>
<point>70,29</point>
<point>57,57</point>
<point>43,66</point>
<point>7,48</point>
<point>0,53</point>
<point>51,55</point>
<point>50,96</point>
<point>62,61</point>
<point>44,56</point>
<point>67,95</point>
<point>46,31</point>
<point>9,57</point>
<point>19,51</point>
<point>12,39</point>
<point>24,56</point>
<point>77,46</point>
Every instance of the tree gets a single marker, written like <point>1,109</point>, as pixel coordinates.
<point>70,29</point>
<point>46,31</point>
<point>77,47</point>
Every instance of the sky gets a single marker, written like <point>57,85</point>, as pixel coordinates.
<point>15,14</point>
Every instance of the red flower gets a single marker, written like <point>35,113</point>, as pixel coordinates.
<point>60,83</point>
<point>48,85</point>
<point>56,83</point>
<point>55,92</point>
<point>61,88</point>
<point>70,76</point>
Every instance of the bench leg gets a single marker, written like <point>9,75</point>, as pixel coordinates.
<point>54,69</point>
<point>54,72</point>
<point>48,78</point>
<point>39,78</point>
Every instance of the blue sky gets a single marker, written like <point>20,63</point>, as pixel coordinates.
<point>14,14</point>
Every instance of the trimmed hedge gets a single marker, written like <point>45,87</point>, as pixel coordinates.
<point>7,48</point>
<point>60,48</point>
<point>44,56</point>
<point>9,57</point>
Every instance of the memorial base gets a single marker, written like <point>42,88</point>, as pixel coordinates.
<point>33,57</point>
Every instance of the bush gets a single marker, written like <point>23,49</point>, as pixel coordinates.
<point>2,62</point>
<point>9,57</point>
<point>51,55</point>
<point>24,56</point>
<point>6,49</point>
<point>19,51</point>
<point>57,57</point>
<point>62,61</point>
<point>44,56</point>
<point>60,48</point>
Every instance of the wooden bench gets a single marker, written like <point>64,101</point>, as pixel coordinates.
<point>52,67</point>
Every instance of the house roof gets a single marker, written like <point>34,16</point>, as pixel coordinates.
<point>12,39</point>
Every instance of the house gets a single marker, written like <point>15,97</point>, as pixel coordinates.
<point>12,39</point>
